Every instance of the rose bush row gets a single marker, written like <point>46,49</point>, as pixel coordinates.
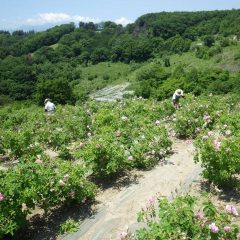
<point>200,113</point>
<point>43,185</point>
<point>185,218</point>
<point>219,151</point>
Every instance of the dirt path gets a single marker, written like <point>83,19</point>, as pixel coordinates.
<point>117,209</point>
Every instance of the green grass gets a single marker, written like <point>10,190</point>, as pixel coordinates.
<point>54,46</point>
<point>225,60</point>
<point>115,72</point>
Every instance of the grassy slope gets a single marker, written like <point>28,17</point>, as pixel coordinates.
<point>95,77</point>
<point>107,71</point>
<point>225,60</point>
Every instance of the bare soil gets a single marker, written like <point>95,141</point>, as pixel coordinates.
<point>117,207</point>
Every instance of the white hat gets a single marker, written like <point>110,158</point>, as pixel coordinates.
<point>179,92</point>
<point>46,100</point>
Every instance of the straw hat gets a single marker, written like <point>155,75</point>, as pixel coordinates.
<point>46,100</point>
<point>179,92</point>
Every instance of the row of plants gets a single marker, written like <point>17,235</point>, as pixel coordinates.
<point>98,139</point>
<point>214,123</point>
<point>39,184</point>
<point>103,139</point>
<point>185,218</point>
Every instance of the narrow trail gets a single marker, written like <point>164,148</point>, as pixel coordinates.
<point>117,209</point>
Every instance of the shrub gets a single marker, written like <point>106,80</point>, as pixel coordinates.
<point>41,184</point>
<point>218,151</point>
<point>69,226</point>
<point>184,218</point>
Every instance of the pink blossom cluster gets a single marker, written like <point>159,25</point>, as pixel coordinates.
<point>216,145</point>
<point>198,130</point>
<point>227,229</point>
<point>151,201</point>
<point>199,215</point>
<point>232,210</point>
<point>207,118</point>
<point>213,228</point>
<point>66,177</point>
<point>210,133</point>
<point>72,194</point>
<point>130,158</point>
<point>1,197</point>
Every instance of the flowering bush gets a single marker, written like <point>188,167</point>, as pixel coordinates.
<point>103,155</point>
<point>198,114</point>
<point>185,219</point>
<point>219,150</point>
<point>44,185</point>
<point>123,136</point>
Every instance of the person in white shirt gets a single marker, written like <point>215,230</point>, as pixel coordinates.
<point>176,96</point>
<point>49,106</point>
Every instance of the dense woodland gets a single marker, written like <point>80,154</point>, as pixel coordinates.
<point>35,65</point>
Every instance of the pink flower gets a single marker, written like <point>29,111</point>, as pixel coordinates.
<point>130,158</point>
<point>66,177</point>
<point>210,133</point>
<point>72,194</point>
<point>232,210</point>
<point>197,130</point>
<point>1,197</point>
<point>122,235</point>
<point>199,215</point>
<point>151,201</point>
<point>227,229</point>
<point>207,118</point>
<point>157,122</point>
<point>213,228</point>
<point>228,132</point>
<point>217,145</point>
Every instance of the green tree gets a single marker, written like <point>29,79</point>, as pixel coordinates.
<point>58,90</point>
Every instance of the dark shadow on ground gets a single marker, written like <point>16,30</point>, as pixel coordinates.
<point>47,226</point>
<point>117,181</point>
<point>228,194</point>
